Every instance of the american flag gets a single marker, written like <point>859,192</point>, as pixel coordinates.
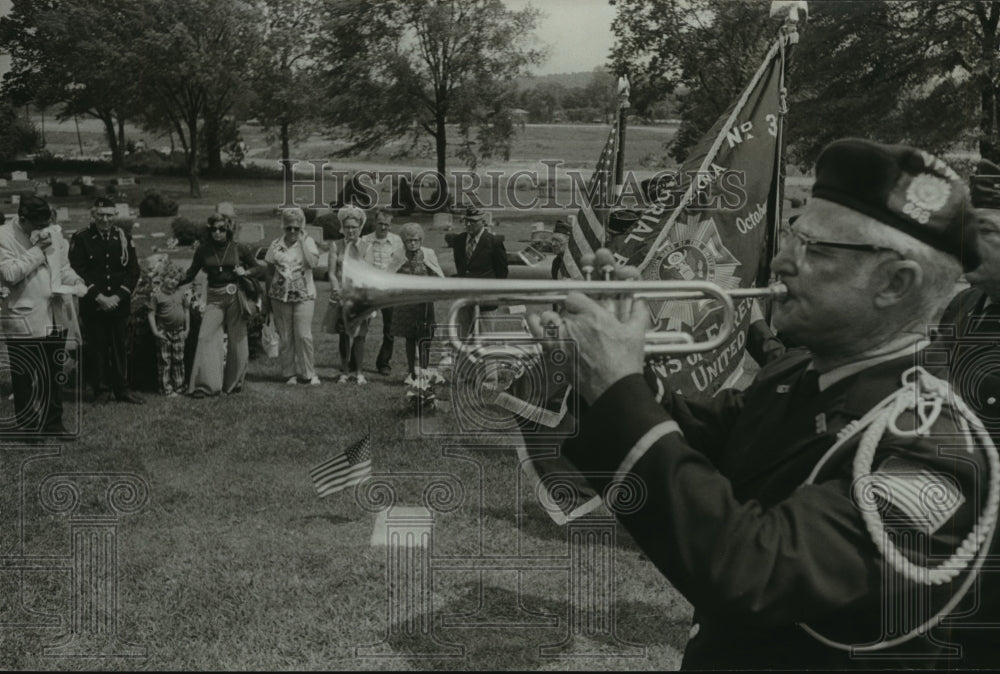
<point>588,230</point>
<point>344,470</point>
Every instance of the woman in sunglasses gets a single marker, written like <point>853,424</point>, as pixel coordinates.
<point>224,262</point>
<point>290,259</point>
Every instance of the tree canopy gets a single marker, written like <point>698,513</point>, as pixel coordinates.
<point>923,72</point>
<point>398,69</point>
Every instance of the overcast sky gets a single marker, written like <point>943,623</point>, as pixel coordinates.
<point>577,32</point>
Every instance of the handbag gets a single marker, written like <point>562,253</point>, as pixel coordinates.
<point>248,295</point>
<point>269,339</point>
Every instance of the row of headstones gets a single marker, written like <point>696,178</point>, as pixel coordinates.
<point>43,188</point>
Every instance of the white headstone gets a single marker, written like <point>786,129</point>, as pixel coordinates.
<point>3,182</point>
<point>126,181</point>
<point>15,200</point>
<point>123,210</point>
<point>249,232</point>
<point>62,214</point>
<point>19,175</point>
<point>88,181</point>
<point>416,519</point>
<point>43,190</point>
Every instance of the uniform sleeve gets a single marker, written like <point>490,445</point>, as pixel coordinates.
<point>80,261</point>
<point>132,272</point>
<point>15,266</point>
<point>797,560</point>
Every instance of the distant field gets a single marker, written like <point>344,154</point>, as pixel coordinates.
<point>577,145</point>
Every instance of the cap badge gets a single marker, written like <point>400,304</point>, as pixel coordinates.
<point>926,194</point>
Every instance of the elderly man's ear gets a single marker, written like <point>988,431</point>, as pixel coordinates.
<point>901,278</point>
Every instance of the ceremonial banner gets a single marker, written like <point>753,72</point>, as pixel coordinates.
<point>711,222</point>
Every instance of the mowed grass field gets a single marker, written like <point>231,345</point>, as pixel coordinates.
<point>232,562</point>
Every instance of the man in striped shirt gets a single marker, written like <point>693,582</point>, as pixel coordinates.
<point>383,250</point>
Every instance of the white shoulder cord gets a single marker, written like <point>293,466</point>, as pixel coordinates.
<point>925,395</point>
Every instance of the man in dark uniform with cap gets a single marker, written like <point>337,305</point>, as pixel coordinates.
<point>104,257</point>
<point>478,254</point>
<point>975,311</point>
<point>560,242</point>
<point>970,327</point>
<point>831,514</point>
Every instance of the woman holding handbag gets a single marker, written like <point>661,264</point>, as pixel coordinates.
<point>290,260</point>
<point>224,262</point>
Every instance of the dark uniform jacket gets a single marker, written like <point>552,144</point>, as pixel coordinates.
<point>108,267</point>
<point>489,259</point>
<point>723,514</point>
<point>971,332</point>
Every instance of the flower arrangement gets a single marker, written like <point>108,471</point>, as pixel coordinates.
<point>421,391</point>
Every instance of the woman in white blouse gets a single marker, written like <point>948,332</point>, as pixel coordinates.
<point>290,260</point>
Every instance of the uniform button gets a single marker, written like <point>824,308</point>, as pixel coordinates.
<point>695,628</point>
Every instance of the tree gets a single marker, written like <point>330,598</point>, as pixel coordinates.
<point>284,69</point>
<point>400,68</point>
<point>889,71</point>
<point>74,53</point>
<point>710,47</point>
<point>923,72</point>
<point>17,135</point>
<point>195,55</point>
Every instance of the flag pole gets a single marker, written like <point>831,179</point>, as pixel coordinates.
<point>623,106</point>
<point>788,38</point>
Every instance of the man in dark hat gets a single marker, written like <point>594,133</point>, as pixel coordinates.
<point>797,517</point>
<point>36,316</point>
<point>560,242</point>
<point>478,254</point>
<point>975,311</point>
<point>104,256</point>
<point>970,328</point>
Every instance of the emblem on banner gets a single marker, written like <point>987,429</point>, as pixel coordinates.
<point>692,251</point>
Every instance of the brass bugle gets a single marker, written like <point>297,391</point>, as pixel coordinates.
<point>365,289</point>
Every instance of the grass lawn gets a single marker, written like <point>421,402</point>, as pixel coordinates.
<point>234,563</point>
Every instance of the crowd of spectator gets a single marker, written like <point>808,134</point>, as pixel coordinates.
<point>201,340</point>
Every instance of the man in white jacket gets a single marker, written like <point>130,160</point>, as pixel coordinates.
<point>37,315</point>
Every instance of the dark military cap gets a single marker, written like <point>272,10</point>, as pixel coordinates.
<point>985,185</point>
<point>562,227</point>
<point>903,187</point>
<point>34,209</point>
<point>104,202</point>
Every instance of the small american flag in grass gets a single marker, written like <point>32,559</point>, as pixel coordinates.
<point>344,470</point>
